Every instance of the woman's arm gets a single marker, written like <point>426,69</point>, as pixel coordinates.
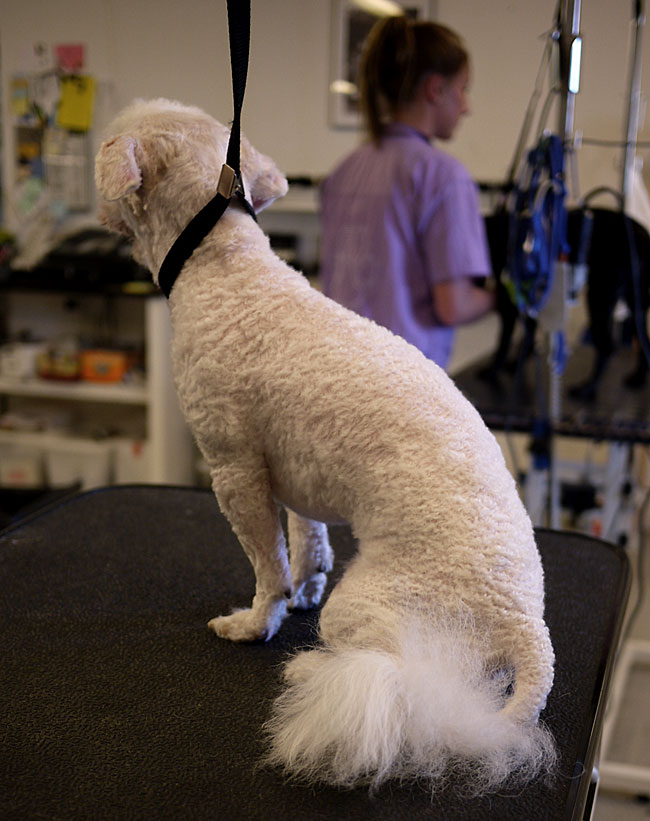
<point>460,301</point>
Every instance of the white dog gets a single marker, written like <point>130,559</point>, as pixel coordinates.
<point>434,650</point>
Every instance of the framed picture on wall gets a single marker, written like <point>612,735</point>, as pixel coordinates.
<point>351,21</point>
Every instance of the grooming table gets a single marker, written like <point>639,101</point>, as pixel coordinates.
<point>618,414</point>
<point>118,702</point>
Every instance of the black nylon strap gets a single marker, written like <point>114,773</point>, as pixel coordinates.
<point>230,183</point>
<point>239,26</point>
<point>190,238</point>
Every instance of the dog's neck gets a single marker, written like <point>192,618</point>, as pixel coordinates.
<point>162,224</point>
<point>200,226</point>
<point>224,248</point>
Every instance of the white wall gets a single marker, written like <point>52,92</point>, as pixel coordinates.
<point>505,39</point>
<point>180,49</point>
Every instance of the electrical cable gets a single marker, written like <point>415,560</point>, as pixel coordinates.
<point>517,171</point>
<point>530,110</point>
<point>507,426</point>
<point>517,382</point>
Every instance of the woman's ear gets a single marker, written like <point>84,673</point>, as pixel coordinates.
<point>434,85</point>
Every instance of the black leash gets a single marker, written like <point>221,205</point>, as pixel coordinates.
<point>230,182</point>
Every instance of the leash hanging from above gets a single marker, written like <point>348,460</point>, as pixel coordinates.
<point>230,181</point>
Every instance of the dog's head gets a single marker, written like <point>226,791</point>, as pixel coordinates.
<point>160,164</point>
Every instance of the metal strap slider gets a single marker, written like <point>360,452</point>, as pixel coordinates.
<point>227,182</point>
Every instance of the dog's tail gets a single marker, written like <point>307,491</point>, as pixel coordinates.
<point>429,710</point>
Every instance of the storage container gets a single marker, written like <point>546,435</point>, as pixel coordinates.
<point>20,467</point>
<point>69,460</point>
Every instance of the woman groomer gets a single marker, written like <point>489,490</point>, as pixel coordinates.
<point>403,241</point>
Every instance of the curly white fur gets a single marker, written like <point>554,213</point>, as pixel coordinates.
<point>435,657</point>
<point>423,710</point>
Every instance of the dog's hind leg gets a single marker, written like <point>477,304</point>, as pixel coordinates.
<point>311,560</point>
<point>244,495</point>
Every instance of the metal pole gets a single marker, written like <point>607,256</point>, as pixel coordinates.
<point>634,100</point>
<point>569,54</point>
<point>569,42</point>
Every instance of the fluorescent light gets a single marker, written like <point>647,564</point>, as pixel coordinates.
<point>343,87</point>
<point>380,8</point>
<point>574,65</point>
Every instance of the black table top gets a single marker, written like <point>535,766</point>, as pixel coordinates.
<point>118,701</point>
<point>515,401</point>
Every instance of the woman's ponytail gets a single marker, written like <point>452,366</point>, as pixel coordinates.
<point>397,54</point>
<point>385,62</point>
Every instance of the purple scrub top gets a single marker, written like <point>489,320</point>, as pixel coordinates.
<point>395,219</point>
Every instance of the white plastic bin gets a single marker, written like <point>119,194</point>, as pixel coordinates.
<point>20,466</point>
<point>69,460</point>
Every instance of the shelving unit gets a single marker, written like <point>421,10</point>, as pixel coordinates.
<point>165,448</point>
<point>75,391</point>
<point>169,438</point>
<point>33,299</point>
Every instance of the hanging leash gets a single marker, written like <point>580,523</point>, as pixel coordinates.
<point>537,235</point>
<point>230,181</point>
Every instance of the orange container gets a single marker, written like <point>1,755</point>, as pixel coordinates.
<point>104,365</point>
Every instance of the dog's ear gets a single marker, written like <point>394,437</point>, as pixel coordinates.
<point>116,169</point>
<point>264,179</point>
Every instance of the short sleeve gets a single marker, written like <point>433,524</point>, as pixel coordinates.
<point>452,233</point>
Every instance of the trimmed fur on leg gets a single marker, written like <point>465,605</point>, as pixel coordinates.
<point>430,709</point>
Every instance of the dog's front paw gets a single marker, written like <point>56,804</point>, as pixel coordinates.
<point>309,593</point>
<point>254,624</point>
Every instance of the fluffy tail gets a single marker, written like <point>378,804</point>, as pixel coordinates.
<point>361,716</point>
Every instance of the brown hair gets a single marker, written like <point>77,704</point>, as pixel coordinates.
<point>397,54</point>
